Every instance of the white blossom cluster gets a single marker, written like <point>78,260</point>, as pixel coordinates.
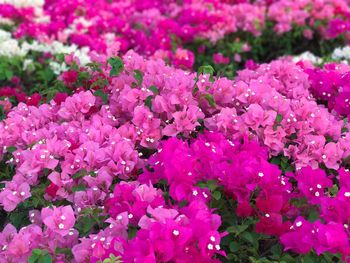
<point>24,3</point>
<point>340,54</point>
<point>309,57</point>
<point>10,47</point>
<point>37,5</point>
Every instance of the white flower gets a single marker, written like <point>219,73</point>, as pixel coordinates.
<point>10,47</point>
<point>57,68</point>
<point>308,56</point>
<point>24,3</point>
<point>341,53</point>
<point>27,64</point>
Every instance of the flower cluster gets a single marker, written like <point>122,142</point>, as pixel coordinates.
<point>246,176</point>
<point>331,85</point>
<point>113,150</point>
<point>162,29</point>
<point>51,228</point>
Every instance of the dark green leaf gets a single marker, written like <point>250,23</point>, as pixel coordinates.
<point>132,232</point>
<point>40,256</point>
<point>238,229</point>
<point>117,66</point>
<point>334,190</point>
<point>195,90</point>
<point>79,174</point>
<point>78,188</point>
<point>148,102</point>
<point>234,246</point>
<point>252,238</point>
<point>154,89</point>
<point>11,149</point>
<point>279,118</point>
<point>217,195</point>
<point>207,69</point>
<point>138,76</point>
<point>45,259</point>
<point>210,100</point>
<point>8,74</point>
<point>2,113</point>
<point>313,215</point>
<point>102,95</point>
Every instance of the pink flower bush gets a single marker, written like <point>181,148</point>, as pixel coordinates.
<point>167,27</point>
<point>135,160</point>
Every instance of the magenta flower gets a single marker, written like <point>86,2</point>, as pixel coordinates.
<point>298,239</point>
<point>219,58</point>
<point>312,183</point>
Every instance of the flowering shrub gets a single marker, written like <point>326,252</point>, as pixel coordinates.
<point>72,152</point>
<point>175,30</point>
<point>113,149</point>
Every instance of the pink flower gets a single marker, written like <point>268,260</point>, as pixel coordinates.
<point>184,121</point>
<point>59,220</point>
<point>272,224</point>
<point>298,238</point>
<point>79,103</point>
<point>331,237</point>
<point>312,183</point>
<point>219,58</point>
<point>13,194</point>
<point>331,156</point>
<point>183,58</point>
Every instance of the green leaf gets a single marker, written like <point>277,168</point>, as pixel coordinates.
<point>154,89</point>
<point>112,259</point>
<point>195,90</point>
<point>279,118</point>
<point>234,246</point>
<point>275,160</point>
<point>310,258</point>
<point>45,259</point>
<point>132,232</point>
<point>84,225</point>
<point>83,75</point>
<point>101,83</point>
<point>237,229</point>
<point>60,57</point>
<point>207,69</point>
<point>276,250</point>
<point>334,190</point>
<point>210,100</point>
<point>117,66</point>
<point>8,74</point>
<point>2,113</point>
<point>79,174</point>
<point>11,149</point>
<point>148,102</point>
<point>102,95</point>
<point>138,76</point>
<point>33,259</point>
<point>210,184</point>
<point>95,66</point>
<point>40,256</point>
<point>78,188</point>
<point>287,258</point>
<point>217,195</point>
<point>252,238</point>
<point>313,215</point>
